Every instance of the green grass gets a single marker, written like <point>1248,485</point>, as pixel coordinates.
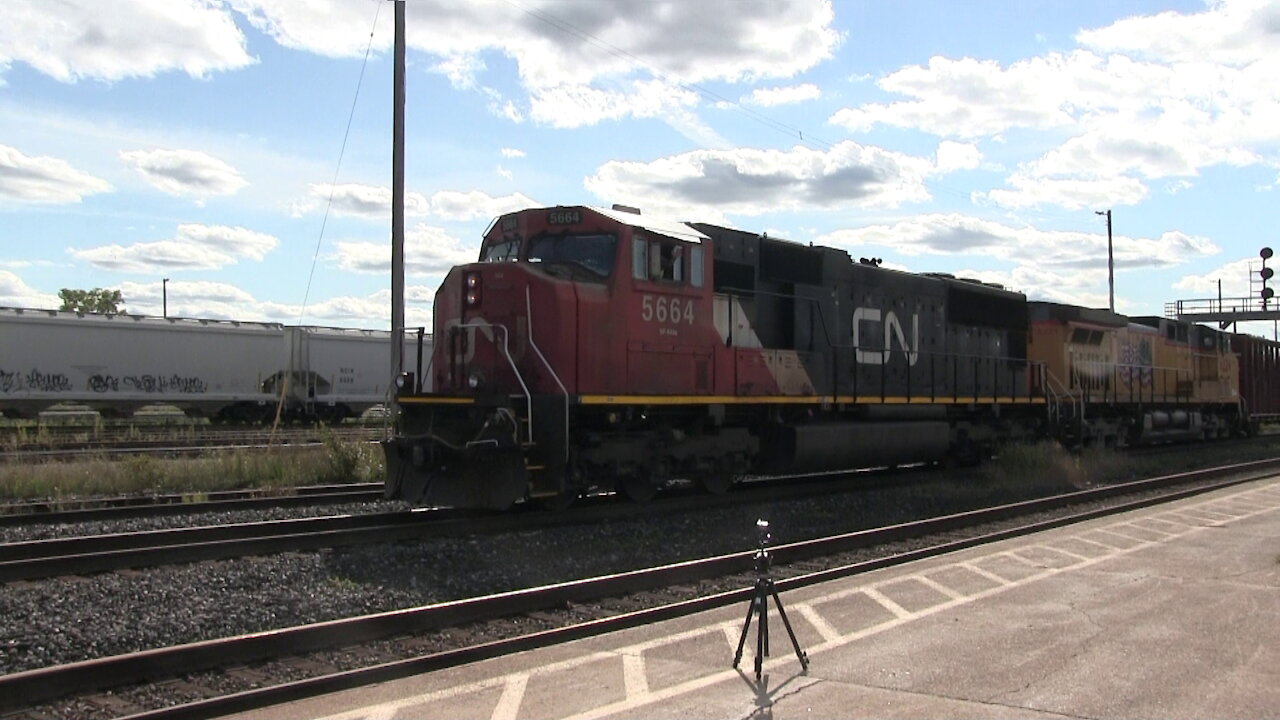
<point>335,462</point>
<point>1048,465</point>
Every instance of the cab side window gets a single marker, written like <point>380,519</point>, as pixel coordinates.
<point>657,261</point>
<point>640,258</point>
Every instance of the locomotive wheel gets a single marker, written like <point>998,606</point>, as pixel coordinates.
<point>637,487</point>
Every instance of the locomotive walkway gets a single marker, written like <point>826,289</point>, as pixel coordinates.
<point>1164,612</point>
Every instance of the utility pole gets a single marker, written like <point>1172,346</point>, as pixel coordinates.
<point>164,295</point>
<point>1111,263</point>
<point>397,205</point>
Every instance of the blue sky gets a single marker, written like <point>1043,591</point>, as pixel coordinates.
<point>199,140</point>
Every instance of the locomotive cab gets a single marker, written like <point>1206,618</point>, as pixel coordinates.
<point>565,307</point>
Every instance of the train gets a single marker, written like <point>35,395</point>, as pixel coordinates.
<point>228,371</point>
<point>600,349</point>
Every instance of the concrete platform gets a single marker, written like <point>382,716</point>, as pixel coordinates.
<point>1172,612</point>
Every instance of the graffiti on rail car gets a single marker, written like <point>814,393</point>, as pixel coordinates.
<point>1135,363</point>
<point>34,379</point>
<point>147,384</point>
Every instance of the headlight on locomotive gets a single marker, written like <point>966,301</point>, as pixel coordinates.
<point>404,382</point>
<point>475,380</point>
<point>471,289</point>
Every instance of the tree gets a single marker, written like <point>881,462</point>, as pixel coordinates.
<point>97,300</point>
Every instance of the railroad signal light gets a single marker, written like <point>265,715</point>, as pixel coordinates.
<point>1266,273</point>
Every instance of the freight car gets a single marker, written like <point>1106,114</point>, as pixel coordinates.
<point>593,348</point>
<point>1259,376</point>
<point>225,370</point>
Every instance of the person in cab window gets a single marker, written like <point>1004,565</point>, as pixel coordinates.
<point>665,263</point>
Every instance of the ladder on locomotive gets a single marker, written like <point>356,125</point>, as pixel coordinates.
<point>1065,409</point>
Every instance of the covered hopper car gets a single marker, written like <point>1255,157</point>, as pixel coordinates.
<point>227,370</point>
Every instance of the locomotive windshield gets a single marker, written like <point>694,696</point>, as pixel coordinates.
<point>588,257</point>
<point>504,251</point>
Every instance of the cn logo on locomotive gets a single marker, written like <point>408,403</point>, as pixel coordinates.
<point>892,329</point>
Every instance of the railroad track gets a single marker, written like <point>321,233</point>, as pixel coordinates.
<point>75,446</point>
<point>81,555</point>
<point>658,593</point>
<point>91,509</point>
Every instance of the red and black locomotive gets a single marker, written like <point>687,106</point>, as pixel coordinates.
<point>593,348</point>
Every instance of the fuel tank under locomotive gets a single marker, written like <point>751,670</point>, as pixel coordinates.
<point>834,445</point>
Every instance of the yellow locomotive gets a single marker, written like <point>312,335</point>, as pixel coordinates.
<point>1119,381</point>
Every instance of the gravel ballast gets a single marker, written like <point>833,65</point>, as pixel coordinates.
<point>68,619</point>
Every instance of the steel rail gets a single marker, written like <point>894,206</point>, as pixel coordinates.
<point>36,559</point>
<point>33,686</point>
<point>179,504</point>
<point>107,453</point>
<point>73,511</point>
<point>80,555</point>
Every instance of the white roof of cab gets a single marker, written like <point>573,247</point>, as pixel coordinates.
<point>662,226</point>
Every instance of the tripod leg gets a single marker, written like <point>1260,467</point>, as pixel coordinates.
<point>742,639</point>
<point>764,617</point>
<point>762,632</point>
<point>804,657</point>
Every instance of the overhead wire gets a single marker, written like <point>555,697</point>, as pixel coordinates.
<point>324,222</point>
<point>342,151</point>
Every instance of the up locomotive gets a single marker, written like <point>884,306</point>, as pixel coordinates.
<point>601,349</point>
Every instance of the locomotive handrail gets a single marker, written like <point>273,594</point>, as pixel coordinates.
<point>1077,403</point>
<point>528,310</point>
<point>506,352</point>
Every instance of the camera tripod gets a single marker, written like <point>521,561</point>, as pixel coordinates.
<point>764,589</point>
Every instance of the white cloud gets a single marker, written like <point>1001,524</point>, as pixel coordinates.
<point>428,251</point>
<point>563,50</point>
<point>1060,253</point>
<point>572,106</point>
<point>75,39</point>
<point>503,172</point>
<point>185,172</point>
<point>1229,32</point>
<point>153,257</point>
<point>752,181</point>
<point>195,247</point>
<point>236,241</point>
<point>370,201</point>
<point>44,179</point>
<point>512,153</point>
<point>15,292</point>
<point>554,41</point>
<point>1235,277</point>
<point>374,202</point>
<point>1073,193</point>
<point>784,95</point>
<point>476,205</point>
<point>1148,97</point>
<point>952,156</point>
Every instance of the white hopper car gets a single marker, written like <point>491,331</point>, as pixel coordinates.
<point>228,370</point>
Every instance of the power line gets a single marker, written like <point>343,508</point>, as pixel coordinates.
<point>342,151</point>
